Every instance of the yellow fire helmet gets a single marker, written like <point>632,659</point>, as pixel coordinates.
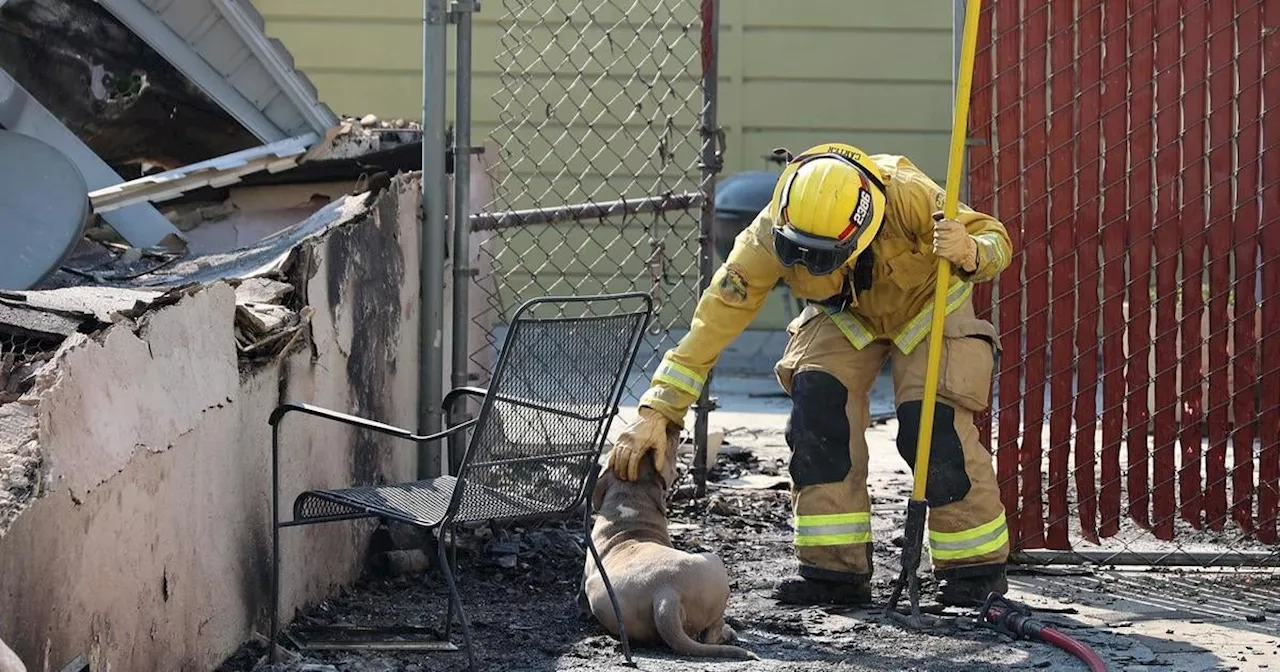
<point>827,207</point>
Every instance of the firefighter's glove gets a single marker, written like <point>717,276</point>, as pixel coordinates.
<point>952,242</point>
<point>647,433</point>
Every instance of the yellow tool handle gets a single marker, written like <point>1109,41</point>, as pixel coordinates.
<point>950,207</point>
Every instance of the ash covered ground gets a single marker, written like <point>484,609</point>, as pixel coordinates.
<point>520,584</point>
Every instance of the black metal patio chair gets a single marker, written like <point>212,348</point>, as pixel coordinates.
<point>535,444</point>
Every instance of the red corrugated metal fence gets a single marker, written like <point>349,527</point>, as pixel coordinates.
<point>1124,146</point>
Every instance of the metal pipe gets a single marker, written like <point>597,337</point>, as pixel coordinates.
<point>1238,559</point>
<point>431,242</point>
<point>711,165</point>
<point>493,221</point>
<point>461,231</point>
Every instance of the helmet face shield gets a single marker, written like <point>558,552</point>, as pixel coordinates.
<point>819,256</point>
<point>827,207</point>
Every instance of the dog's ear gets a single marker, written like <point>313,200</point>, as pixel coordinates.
<point>668,473</point>
<point>598,492</point>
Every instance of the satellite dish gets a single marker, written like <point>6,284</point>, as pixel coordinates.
<point>44,209</point>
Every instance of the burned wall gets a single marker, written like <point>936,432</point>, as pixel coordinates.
<point>366,264</point>
<point>145,540</point>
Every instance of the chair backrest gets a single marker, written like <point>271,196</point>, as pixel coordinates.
<point>555,390</point>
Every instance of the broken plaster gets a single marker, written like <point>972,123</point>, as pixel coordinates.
<point>125,389</point>
<point>123,376</point>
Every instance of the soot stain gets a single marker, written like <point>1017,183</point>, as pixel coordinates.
<point>366,269</point>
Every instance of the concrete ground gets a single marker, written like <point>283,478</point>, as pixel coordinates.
<point>1137,618</point>
<point>525,617</point>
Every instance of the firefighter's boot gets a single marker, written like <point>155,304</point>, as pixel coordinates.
<point>802,591</point>
<point>971,588</point>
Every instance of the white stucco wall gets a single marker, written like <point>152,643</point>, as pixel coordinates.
<point>149,545</point>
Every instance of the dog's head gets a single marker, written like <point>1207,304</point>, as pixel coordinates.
<point>647,477</point>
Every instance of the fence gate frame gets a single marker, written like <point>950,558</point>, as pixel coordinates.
<point>702,36</point>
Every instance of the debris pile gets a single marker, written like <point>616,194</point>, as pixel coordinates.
<point>523,548</point>
<point>264,326</point>
<point>354,137</point>
<point>745,506</point>
<point>34,324</point>
<point>102,259</point>
<point>373,123</point>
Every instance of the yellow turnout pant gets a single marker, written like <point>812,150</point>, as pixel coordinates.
<point>829,382</point>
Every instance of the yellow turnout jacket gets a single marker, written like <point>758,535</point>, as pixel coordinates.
<point>896,307</point>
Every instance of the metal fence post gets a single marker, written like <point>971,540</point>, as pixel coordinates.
<point>711,165</point>
<point>461,224</point>
<point>431,242</point>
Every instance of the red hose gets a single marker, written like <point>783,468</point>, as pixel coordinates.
<point>1028,627</point>
<point>1075,648</point>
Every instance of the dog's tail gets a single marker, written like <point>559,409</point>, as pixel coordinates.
<point>667,616</point>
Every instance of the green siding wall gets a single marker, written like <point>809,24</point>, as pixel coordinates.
<point>794,74</point>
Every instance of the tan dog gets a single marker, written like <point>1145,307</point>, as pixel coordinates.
<point>664,594</point>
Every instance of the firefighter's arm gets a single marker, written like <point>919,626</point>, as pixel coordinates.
<point>976,243</point>
<point>737,292</point>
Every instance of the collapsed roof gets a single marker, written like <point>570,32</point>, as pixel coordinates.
<point>157,100</point>
<point>128,87</point>
<point>159,82</point>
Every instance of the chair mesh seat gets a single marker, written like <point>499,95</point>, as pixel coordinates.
<point>420,502</point>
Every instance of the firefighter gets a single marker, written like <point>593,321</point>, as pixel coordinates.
<point>858,237</point>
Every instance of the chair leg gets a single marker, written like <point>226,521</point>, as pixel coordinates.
<point>456,600</point>
<point>453,546</point>
<point>272,647</point>
<point>272,644</point>
<point>447,628</point>
<point>608,586</point>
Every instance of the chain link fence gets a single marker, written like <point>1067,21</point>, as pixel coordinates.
<point>601,145</point>
<point>1125,147</point>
